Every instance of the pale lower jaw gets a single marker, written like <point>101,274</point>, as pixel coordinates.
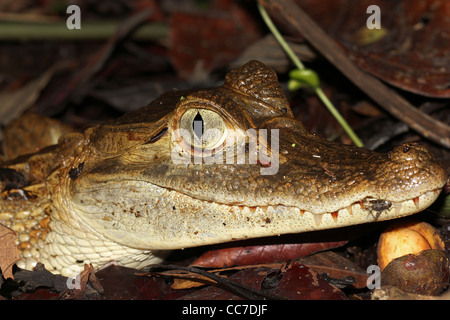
<point>370,210</point>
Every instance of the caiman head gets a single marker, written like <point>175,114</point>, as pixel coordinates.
<point>229,163</point>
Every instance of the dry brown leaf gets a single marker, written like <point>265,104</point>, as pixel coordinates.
<point>16,102</point>
<point>191,281</point>
<point>183,279</point>
<point>187,280</point>
<point>9,254</point>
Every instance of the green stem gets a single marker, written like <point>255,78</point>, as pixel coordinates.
<point>353,136</point>
<point>280,38</point>
<point>300,66</point>
<point>21,31</point>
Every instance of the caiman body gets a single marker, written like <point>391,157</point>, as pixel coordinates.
<point>119,191</point>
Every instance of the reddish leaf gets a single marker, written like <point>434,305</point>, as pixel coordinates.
<point>301,283</point>
<point>248,255</point>
<point>293,283</point>
<point>296,281</point>
<point>210,39</point>
<point>122,283</point>
<point>410,56</point>
<point>39,294</point>
<point>336,267</point>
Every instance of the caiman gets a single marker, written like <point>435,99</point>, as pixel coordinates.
<point>133,189</point>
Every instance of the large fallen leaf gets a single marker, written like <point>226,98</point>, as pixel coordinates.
<point>8,251</point>
<point>251,255</point>
<point>413,52</point>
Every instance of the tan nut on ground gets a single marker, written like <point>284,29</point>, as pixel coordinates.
<point>407,237</point>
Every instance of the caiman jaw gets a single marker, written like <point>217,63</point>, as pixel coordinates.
<point>193,222</point>
<point>368,210</point>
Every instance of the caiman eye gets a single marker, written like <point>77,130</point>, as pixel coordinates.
<point>202,128</point>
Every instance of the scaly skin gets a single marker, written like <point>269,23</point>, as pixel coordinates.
<point>115,192</point>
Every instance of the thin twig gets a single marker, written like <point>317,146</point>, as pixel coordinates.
<point>233,287</point>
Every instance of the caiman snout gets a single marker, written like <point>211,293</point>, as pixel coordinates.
<point>412,166</point>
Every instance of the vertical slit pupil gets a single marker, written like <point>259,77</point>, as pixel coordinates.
<point>198,125</point>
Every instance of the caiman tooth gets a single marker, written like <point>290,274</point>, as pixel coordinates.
<point>416,202</point>
<point>350,210</point>
<point>361,203</point>
<point>335,215</point>
<point>318,219</point>
<point>398,207</point>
